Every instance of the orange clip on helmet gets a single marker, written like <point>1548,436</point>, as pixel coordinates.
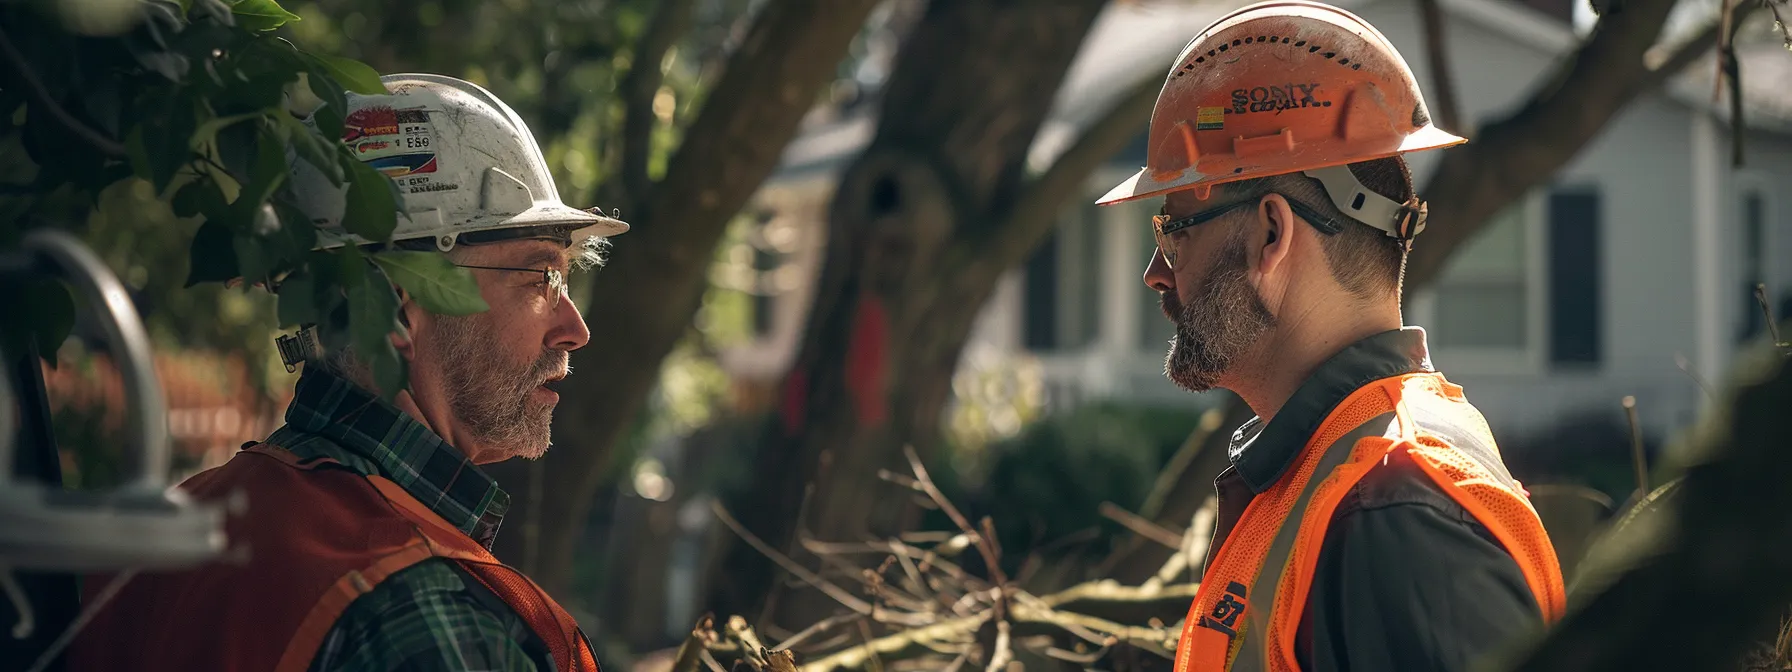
<point>1280,87</point>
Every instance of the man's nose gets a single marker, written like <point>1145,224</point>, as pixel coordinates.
<point>1158,275</point>
<point>569,332</point>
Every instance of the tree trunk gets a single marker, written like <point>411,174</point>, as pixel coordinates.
<point>920,232</point>
<point>642,302</point>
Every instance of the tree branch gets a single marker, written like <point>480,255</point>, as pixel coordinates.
<point>641,85</point>
<point>1514,154</point>
<point>46,104</point>
<point>1443,82</point>
<point>1035,211</point>
<point>1693,48</point>
<point>839,594</point>
<point>1141,526</point>
<point>658,276</point>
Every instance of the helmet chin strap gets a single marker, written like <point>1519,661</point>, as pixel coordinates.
<point>1399,220</point>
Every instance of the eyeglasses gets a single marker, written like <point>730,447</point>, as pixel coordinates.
<point>553,282</point>
<point>1162,224</point>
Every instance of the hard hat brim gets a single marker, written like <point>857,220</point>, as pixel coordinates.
<point>1141,185</point>
<point>554,214</point>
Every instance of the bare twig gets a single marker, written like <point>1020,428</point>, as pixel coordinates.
<point>1173,470</point>
<point>1686,367</point>
<point>1694,47</point>
<point>691,651</point>
<point>1637,459</point>
<point>829,588</point>
<point>1443,82</point>
<point>958,663</point>
<point>1141,526</point>
<point>1773,328</point>
<point>1108,590</point>
<point>925,537</point>
<point>900,479</point>
<point>710,661</point>
<point>1157,640</point>
<point>856,656</point>
<point>823,626</point>
<point>1004,651</point>
<point>46,104</point>
<point>1089,658</point>
<point>1732,75</point>
<point>990,556</point>
<point>877,665</point>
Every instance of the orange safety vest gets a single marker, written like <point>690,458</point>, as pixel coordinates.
<point>317,539</point>
<point>1248,609</point>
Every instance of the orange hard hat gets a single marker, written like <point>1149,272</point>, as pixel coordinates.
<point>1280,87</point>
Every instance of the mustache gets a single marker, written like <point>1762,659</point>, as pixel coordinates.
<point>1171,304</point>
<point>551,365</point>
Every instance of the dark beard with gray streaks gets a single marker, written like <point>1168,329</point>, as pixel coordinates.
<point>1225,318</point>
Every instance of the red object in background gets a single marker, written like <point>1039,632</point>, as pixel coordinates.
<point>866,368</point>
<point>796,394</point>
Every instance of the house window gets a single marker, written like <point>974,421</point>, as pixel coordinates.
<point>765,262</point>
<point>1039,308</point>
<point>1062,285</point>
<point>1575,322</point>
<point>1754,264</point>
<point>1482,297</point>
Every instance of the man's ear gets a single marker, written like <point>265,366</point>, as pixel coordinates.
<point>1273,238</point>
<point>401,339</point>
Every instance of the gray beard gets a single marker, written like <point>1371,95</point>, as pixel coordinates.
<point>1225,319</point>
<point>490,397</point>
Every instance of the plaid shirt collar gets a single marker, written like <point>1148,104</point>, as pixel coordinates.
<point>332,417</point>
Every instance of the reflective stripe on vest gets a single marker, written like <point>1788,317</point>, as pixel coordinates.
<point>1246,613</point>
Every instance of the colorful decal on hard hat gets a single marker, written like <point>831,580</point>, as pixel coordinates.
<point>400,143</point>
<point>1291,96</point>
<point>1210,118</point>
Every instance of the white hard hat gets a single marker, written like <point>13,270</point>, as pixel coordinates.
<point>465,162</point>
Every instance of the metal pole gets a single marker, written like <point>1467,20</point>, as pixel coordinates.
<point>147,411</point>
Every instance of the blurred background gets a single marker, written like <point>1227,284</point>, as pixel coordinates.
<point>1602,236</point>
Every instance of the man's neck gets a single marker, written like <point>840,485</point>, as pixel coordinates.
<point>1287,356</point>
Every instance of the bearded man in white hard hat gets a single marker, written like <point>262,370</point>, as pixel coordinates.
<point>369,524</point>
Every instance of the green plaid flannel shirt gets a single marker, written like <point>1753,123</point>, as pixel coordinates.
<point>430,616</point>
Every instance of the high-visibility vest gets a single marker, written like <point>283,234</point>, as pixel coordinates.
<point>1248,609</point>
<point>318,538</point>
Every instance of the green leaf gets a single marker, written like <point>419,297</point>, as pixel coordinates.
<point>373,315</point>
<point>261,15</point>
<point>213,255</point>
<point>207,132</point>
<point>252,256</point>
<point>199,197</point>
<point>162,139</point>
<point>298,300</point>
<point>438,285</point>
<point>266,174</point>
<point>44,314</point>
<point>351,75</point>
<point>372,211</point>
<point>315,149</point>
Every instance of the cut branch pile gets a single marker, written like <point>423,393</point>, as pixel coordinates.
<point>915,609</point>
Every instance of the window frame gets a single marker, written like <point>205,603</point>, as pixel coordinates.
<point>1531,359</point>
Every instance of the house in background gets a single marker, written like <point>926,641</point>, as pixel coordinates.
<point>1642,249</point>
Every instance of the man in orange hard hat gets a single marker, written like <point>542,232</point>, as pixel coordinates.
<point>1366,521</point>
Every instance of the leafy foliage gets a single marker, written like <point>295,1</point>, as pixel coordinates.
<point>199,102</point>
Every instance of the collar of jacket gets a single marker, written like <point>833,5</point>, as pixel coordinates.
<point>332,417</point>
<point>1262,451</point>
